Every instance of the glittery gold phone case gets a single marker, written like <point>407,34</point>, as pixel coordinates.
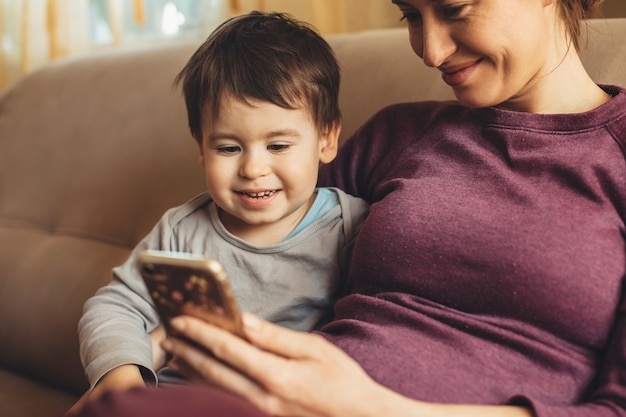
<point>181,283</point>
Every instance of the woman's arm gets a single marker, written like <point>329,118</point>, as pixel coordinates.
<point>297,374</point>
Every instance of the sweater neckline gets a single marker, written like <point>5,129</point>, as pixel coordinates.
<point>613,109</point>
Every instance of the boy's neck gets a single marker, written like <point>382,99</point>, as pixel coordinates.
<point>266,233</point>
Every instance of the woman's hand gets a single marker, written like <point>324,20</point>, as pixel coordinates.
<point>283,372</point>
<point>287,373</point>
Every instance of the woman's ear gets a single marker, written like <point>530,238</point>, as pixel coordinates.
<point>329,143</point>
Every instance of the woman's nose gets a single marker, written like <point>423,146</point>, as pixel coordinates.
<point>437,43</point>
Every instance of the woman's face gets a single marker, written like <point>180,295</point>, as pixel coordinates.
<point>491,52</point>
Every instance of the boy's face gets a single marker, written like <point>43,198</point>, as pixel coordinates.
<point>261,165</point>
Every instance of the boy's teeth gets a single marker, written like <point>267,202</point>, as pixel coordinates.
<point>264,194</point>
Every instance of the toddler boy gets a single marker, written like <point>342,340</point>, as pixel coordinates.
<point>262,102</point>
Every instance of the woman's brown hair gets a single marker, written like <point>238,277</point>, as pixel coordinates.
<point>573,12</point>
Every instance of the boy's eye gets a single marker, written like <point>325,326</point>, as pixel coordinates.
<point>229,149</point>
<point>278,147</point>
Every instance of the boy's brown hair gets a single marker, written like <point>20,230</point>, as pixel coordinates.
<point>265,56</point>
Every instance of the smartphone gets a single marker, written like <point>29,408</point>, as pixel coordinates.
<point>182,283</point>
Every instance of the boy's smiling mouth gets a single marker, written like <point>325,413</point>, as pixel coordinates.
<point>260,194</point>
<point>257,200</point>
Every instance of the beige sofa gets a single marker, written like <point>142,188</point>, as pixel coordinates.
<point>94,149</point>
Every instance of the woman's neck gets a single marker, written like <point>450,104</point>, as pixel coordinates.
<point>563,86</point>
<point>566,89</point>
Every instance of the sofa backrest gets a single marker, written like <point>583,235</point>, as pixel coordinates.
<point>94,149</point>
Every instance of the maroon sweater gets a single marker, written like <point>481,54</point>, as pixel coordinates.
<point>490,269</point>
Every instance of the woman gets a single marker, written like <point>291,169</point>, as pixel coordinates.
<point>487,278</point>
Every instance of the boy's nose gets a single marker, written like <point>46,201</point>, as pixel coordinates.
<point>254,167</point>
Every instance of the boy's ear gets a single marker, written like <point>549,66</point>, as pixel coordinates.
<point>201,148</point>
<point>329,143</point>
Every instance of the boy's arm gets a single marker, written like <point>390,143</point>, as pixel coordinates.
<point>120,378</point>
<point>114,329</point>
<point>117,321</point>
<point>128,375</point>
<point>119,325</point>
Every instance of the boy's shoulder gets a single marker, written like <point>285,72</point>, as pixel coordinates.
<point>345,198</point>
<point>175,215</point>
<point>354,210</point>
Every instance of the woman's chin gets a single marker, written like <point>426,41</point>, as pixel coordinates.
<point>475,99</point>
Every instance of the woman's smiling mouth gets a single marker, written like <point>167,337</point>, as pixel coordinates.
<point>456,75</point>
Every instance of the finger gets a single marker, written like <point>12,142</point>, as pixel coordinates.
<point>280,340</point>
<point>236,352</point>
<point>215,339</point>
<point>199,367</point>
<point>276,383</point>
<point>181,367</point>
<point>211,371</point>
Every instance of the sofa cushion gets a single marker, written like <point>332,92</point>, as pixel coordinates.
<point>24,397</point>
<point>92,151</point>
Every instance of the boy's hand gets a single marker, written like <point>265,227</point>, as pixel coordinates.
<point>158,354</point>
<point>120,378</point>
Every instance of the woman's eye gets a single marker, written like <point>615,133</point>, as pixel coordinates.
<point>228,150</point>
<point>411,17</point>
<point>452,12</point>
<point>278,147</point>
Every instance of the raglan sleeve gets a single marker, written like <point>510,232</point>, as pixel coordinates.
<point>115,327</point>
<point>360,158</point>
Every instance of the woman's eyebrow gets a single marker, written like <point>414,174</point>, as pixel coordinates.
<point>403,3</point>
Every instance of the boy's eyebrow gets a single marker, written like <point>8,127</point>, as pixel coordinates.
<point>283,132</point>
<point>269,135</point>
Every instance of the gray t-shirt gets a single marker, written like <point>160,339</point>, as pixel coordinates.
<point>292,283</point>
